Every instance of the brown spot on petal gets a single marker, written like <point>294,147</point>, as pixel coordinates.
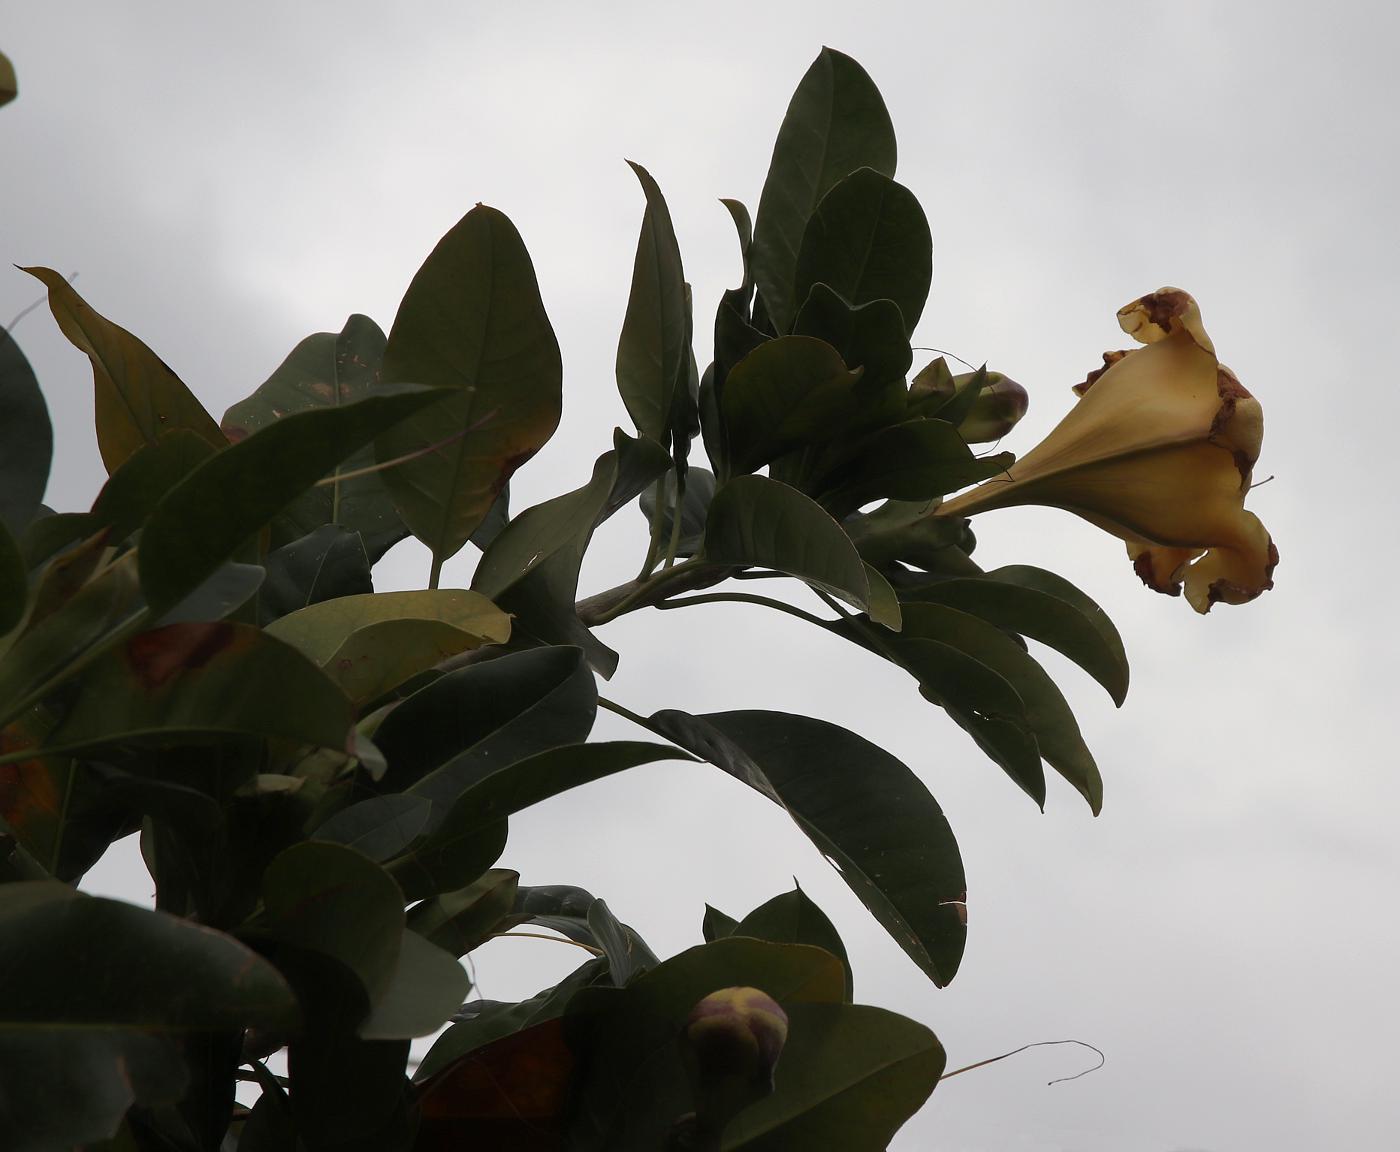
<point>1161,309</point>
<point>1147,573</point>
<point>1109,360</point>
<point>157,656</point>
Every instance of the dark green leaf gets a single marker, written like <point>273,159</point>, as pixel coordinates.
<point>532,568</point>
<point>230,587</point>
<point>757,522</point>
<point>167,975</point>
<point>143,481</point>
<point>699,491</point>
<point>865,810</point>
<point>380,827</point>
<point>1047,608</point>
<point>850,1075</point>
<point>484,717</point>
<point>792,918</point>
<point>480,1022</point>
<point>348,1094</point>
<point>870,337</point>
<point>183,543</point>
<point>188,682</point>
<point>487,790</point>
<point>786,394</point>
<point>1047,715</point>
<point>497,517</point>
<point>14,581</point>
<point>915,461</point>
<point>327,370</point>
<point>427,987</point>
<point>628,956</point>
<point>48,535</point>
<point>464,919</point>
<point>331,900</point>
<point>982,702</point>
<point>26,439</point>
<point>472,323</point>
<point>835,124</point>
<point>45,655</point>
<point>869,240</point>
<point>72,1086</point>
<point>632,1086</point>
<point>448,858</point>
<point>653,353</point>
<point>139,398</point>
<point>327,563</point>
<point>716,925</point>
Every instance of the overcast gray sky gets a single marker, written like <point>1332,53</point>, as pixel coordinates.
<point>228,180</point>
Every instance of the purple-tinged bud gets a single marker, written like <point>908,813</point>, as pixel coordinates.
<point>731,1044</point>
<point>998,407</point>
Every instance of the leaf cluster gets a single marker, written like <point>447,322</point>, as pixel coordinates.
<point>323,776</point>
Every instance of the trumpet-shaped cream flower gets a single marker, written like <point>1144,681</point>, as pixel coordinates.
<point>1159,451</point>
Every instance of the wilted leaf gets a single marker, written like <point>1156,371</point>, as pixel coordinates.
<point>471,323</point>
<point>139,398</point>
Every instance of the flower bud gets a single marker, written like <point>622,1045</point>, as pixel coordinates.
<point>999,405</point>
<point>731,1043</point>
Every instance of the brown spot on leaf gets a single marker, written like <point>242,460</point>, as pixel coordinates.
<point>158,655</point>
<point>322,389</point>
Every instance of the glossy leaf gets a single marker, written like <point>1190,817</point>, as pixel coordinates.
<point>182,544</point>
<point>792,918</point>
<point>427,986</point>
<point>784,394</point>
<point>26,439</point>
<point>869,240</point>
<point>532,568</point>
<point>1047,715</point>
<point>918,460</point>
<point>757,522</point>
<point>328,370</point>
<point>836,123</point>
<point>139,398</point>
<point>191,682</point>
<point>1044,607</point>
<point>329,899</point>
<point>327,563</point>
<point>870,336</point>
<point>464,919</point>
<point>380,827</point>
<point>653,353</point>
<point>865,811</point>
<point>632,1085</point>
<point>471,323</point>
<point>981,701</point>
<point>850,1075</point>
<point>483,717</point>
